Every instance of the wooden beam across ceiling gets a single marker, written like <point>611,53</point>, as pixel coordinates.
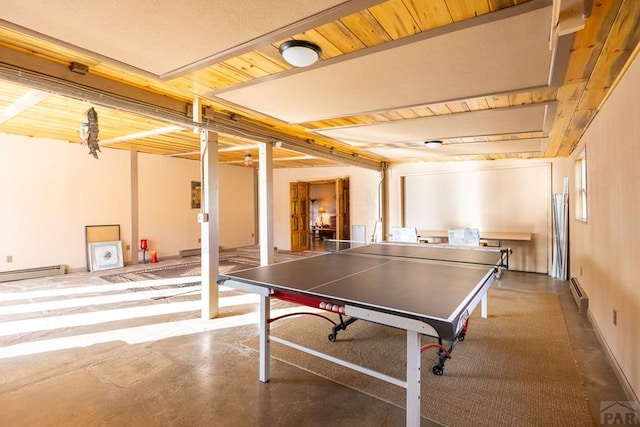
<point>59,79</point>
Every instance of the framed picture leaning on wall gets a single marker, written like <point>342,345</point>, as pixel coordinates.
<point>105,255</point>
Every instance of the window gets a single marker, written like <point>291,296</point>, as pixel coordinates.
<point>581,186</point>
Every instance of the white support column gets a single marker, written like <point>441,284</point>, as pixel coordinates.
<point>265,351</point>
<point>413,379</point>
<point>265,192</point>
<point>383,210</point>
<point>208,217</point>
<point>135,243</point>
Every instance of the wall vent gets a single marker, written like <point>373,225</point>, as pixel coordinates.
<point>32,273</point>
<point>579,295</point>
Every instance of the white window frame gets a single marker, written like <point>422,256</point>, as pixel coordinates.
<point>581,186</point>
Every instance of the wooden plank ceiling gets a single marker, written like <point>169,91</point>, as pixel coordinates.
<point>41,96</point>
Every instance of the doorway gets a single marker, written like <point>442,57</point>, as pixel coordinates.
<point>327,215</point>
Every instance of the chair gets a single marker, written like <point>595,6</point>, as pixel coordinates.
<point>404,234</point>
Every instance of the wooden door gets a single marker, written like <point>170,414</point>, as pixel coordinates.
<point>299,202</point>
<point>342,209</point>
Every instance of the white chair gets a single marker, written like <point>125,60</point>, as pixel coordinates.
<point>404,234</point>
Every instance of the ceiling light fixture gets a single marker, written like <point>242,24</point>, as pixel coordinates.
<point>248,161</point>
<point>300,53</point>
<point>433,144</point>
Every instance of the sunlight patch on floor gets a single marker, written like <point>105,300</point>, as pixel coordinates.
<point>85,319</point>
<point>47,306</point>
<point>138,334</point>
<point>107,287</point>
<point>60,310</point>
<point>48,323</point>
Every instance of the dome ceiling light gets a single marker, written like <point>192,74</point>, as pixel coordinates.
<point>436,143</point>
<point>300,53</point>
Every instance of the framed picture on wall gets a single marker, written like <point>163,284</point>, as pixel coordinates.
<point>106,255</point>
<point>196,194</point>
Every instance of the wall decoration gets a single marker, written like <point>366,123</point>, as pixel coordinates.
<point>106,255</point>
<point>99,233</point>
<point>196,194</point>
<point>89,132</point>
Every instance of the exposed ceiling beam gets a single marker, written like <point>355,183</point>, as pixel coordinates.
<point>140,135</point>
<point>18,67</point>
<point>58,78</point>
<point>309,146</point>
<point>27,100</point>
<point>238,148</point>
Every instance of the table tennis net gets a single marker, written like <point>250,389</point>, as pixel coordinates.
<point>444,253</point>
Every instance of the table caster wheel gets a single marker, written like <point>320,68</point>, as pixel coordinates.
<point>332,337</point>
<point>437,370</point>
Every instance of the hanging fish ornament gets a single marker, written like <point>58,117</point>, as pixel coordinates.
<point>89,132</point>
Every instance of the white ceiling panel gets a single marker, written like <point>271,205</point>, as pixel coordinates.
<point>503,121</point>
<point>476,57</point>
<point>161,36</point>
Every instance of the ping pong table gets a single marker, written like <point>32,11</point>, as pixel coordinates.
<point>423,289</point>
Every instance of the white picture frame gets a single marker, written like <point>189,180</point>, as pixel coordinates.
<point>105,255</point>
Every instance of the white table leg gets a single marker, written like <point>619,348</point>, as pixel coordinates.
<point>265,314</point>
<point>483,307</point>
<point>413,379</point>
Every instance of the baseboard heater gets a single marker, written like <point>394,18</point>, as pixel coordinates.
<point>189,252</point>
<point>579,295</point>
<point>32,273</point>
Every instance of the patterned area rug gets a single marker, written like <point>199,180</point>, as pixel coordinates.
<point>232,261</point>
<point>165,272</point>
<point>301,253</point>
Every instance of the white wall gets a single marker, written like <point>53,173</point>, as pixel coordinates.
<point>238,215</point>
<point>495,196</point>
<point>364,190</point>
<point>363,184</point>
<point>165,216</point>
<point>51,190</point>
<point>604,251</point>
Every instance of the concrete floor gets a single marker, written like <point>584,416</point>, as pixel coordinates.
<point>63,354</point>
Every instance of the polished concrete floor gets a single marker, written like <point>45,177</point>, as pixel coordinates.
<point>76,350</point>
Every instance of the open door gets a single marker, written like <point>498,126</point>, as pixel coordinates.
<point>299,199</point>
<point>332,195</point>
<point>342,209</point>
